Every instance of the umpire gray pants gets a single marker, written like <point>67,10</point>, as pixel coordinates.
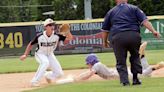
<point>122,43</point>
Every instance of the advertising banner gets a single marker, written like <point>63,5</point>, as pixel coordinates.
<point>87,36</point>
<point>13,40</point>
<point>154,43</point>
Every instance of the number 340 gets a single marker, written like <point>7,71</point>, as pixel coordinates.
<point>13,40</point>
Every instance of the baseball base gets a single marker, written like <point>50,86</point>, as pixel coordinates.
<point>69,79</point>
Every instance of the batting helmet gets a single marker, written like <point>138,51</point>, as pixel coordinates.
<point>91,59</point>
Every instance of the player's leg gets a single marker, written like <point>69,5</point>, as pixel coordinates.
<point>144,62</point>
<point>56,68</point>
<point>146,68</point>
<point>149,69</point>
<point>142,49</point>
<point>43,65</point>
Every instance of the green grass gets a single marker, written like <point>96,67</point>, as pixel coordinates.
<point>14,65</point>
<point>149,85</point>
<point>10,65</point>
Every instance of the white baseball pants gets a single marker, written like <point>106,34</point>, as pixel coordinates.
<point>46,61</point>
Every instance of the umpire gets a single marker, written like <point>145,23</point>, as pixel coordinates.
<point>122,24</point>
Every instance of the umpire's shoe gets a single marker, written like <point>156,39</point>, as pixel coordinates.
<point>136,82</point>
<point>125,83</point>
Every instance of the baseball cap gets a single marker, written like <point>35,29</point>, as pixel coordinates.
<point>48,21</point>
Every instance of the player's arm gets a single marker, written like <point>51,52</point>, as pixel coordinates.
<point>84,76</point>
<point>61,39</point>
<point>28,48</point>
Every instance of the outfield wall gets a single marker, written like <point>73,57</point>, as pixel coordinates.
<point>14,37</point>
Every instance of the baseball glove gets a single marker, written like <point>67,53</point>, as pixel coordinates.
<point>64,30</point>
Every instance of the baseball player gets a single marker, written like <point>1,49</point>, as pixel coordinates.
<point>96,67</point>
<point>46,44</point>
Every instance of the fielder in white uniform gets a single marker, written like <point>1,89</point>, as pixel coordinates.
<point>96,67</point>
<point>46,44</point>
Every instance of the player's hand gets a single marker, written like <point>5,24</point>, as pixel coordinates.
<point>23,57</point>
<point>156,34</point>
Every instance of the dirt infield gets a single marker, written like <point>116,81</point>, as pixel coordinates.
<point>18,82</point>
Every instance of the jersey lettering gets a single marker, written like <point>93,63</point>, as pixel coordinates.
<point>45,44</point>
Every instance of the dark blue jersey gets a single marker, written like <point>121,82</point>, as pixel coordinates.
<point>123,17</point>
